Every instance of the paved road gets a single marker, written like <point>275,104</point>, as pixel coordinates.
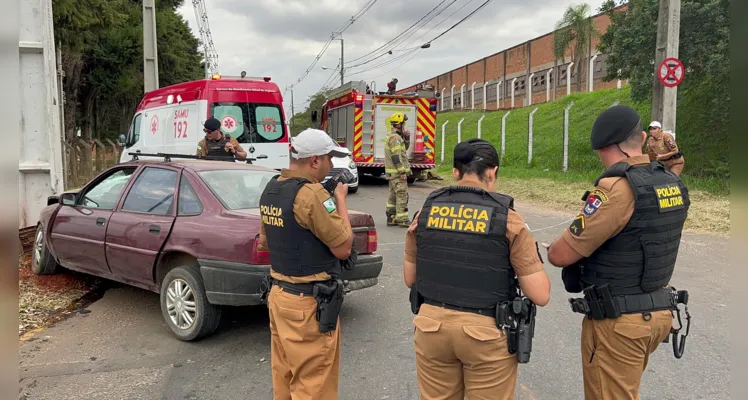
<point>119,348</point>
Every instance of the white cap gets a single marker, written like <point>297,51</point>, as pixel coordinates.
<point>314,142</point>
<point>655,124</point>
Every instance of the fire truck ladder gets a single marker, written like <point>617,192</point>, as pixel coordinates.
<point>368,129</point>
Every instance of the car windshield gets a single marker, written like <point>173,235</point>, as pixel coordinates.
<point>237,189</point>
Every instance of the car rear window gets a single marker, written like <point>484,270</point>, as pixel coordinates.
<point>237,189</point>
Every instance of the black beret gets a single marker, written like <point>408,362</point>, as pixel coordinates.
<point>614,126</point>
<point>212,124</point>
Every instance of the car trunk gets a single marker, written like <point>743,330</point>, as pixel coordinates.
<point>366,234</point>
<point>361,223</point>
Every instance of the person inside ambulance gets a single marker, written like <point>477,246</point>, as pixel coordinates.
<point>217,144</point>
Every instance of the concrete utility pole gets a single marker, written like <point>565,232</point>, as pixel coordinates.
<point>150,48</point>
<point>342,60</point>
<point>664,99</point>
<point>292,109</point>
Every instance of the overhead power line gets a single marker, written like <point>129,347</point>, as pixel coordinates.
<point>350,22</point>
<point>485,3</point>
<point>388,43</point>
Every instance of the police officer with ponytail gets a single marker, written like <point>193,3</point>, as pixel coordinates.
<point>467,254</point>
<point>620,251</point>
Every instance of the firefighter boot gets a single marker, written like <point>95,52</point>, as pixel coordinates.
<point>390,217</point>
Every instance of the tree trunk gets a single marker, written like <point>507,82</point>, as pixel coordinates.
<point>72,64</point>
<point>87,117</point>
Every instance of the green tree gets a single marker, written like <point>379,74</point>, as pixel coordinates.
<point>704,95</point>
<point>574,32</point>
<point>303,120</point>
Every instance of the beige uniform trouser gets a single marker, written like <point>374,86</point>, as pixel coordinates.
<point>462,355</point>
<point>305,363</point>
<point>615,353</point>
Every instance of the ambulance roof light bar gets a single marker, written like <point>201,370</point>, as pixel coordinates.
<point>216,77</point>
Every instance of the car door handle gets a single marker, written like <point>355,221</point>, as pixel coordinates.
<point>154,229</point>
<point>100,221</point>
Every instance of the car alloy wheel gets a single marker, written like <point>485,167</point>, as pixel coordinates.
<point>38,248</point>
<point>180,304</point>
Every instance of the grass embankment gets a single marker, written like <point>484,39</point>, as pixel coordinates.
<point>543,182</point>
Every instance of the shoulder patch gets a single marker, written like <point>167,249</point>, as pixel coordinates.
<point>577,226</point>
<point>329,205</point>
<point>594,201</point>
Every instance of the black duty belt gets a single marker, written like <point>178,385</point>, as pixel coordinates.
<point>307,289</point>
<point>601,305</point>
<point>490,312</point>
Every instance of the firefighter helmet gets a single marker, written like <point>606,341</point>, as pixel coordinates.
<point>398,118</point>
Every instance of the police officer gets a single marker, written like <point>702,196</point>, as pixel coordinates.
<point>623,246</point>
<point>307,233</point>
<point>462,253</point>
<point>661,147</point>
<point>216,144</point>
<point>397,170</point>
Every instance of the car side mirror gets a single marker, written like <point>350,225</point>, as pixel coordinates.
<point>122,139</point>
<point>68,199</point>
<point>314,116</point>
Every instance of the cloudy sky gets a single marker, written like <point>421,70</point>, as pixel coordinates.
<point>281,38</point>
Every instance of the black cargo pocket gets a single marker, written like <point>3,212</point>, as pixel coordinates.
<point>659,260</point>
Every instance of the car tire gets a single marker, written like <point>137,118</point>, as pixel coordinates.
<point>42,262</point>
<point>352,189</point>
<point>411,179</point>
<point>205,316</point>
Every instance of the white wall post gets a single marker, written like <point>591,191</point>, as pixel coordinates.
<point>566,135</point>
<point>548,85</point>
<point>472,96</point>
<point>529,90</point>
<point>444,126</point>
<point>459,131</point>
<point>442,98</point>
<point>513,80</point>
<point>529,136</point>
<point>619,84</point>
<point>462,96</point>
<point>480,122</point>
<point>503,133</point>
<point>568,78</point>
<point>484,95</point>
<point>498,94</point>
<point>592,73</point>
<point>452,96</point>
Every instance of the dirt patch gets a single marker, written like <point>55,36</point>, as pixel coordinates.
<point>42,299</point>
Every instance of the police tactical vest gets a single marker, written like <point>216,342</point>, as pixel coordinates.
<point>641,258</point>
<point>294,251</point>
<point>218,148</point>
<point>462,248</point>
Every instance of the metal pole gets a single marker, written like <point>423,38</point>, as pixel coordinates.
<point>459,131</point>
<point>150,47</point>
<point>664,99</point>
<point>480,122</point>
<point>503,133</point>
<point>444,126</point>
<point>568,78</point>
<point>529,136</point>
<point>566,134</point>
<point>342,62</point>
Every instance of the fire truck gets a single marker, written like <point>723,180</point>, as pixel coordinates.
<point>358,119</point>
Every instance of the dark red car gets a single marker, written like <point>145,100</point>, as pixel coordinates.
<point>187,229</point>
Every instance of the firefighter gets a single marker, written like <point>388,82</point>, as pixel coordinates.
<point>397,170</point>
<point>217,144</point>
<point>462,253</point>
<point>392,86</point>
<point>621,250</point>
<point>307,233</point>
